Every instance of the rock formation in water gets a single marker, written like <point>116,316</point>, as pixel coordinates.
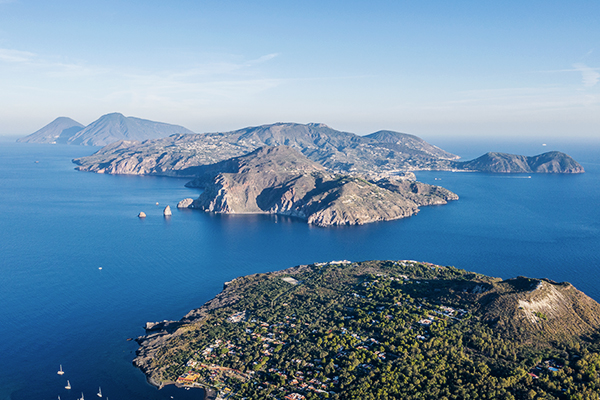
<point>167,211</point>
<point>185,203</point>
<point>280,180</point>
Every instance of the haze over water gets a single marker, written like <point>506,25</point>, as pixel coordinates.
<point>60,226</point>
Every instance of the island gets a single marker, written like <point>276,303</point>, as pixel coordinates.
<point>382,330</point>
<point>177,155</point>
<point>382,152</point>
<point>550,162</point>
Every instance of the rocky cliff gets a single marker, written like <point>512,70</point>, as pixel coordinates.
<point>280,180</point>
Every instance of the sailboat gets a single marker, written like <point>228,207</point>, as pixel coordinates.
<point>60,371</point>
<point>99,392</point>
<point>81,396</point>
<point>68,385</point>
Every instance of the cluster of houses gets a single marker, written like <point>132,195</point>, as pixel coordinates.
<point>429,319</point>
<point>545,367</point>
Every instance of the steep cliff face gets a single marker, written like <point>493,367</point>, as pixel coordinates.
<point>280,180</point>
<point>551,162</point>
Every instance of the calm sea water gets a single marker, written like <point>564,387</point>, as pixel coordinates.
<point>59,227</point>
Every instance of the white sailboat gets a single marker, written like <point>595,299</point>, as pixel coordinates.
<point>68,385</point>
<point>81,396</point>
<point>99,391</point>
<point>60,371</point>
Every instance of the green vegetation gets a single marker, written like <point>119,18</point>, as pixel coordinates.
<point>384,330</point>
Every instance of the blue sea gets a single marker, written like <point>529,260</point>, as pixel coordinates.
<point>80,274</point>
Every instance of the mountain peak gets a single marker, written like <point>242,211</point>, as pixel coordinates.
<point>58,131</point>
<point>115,126</point>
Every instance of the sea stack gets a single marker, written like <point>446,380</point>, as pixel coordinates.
<point>185,203</point>
<point>167,211</point>
<point>142,215</point>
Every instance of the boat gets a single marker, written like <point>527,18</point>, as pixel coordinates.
<point>99,392</point>
<point>81,396</point>
<point>68,385</point>
<point>60,371</point>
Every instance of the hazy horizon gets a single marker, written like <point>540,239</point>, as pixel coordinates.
<point>435,70</point>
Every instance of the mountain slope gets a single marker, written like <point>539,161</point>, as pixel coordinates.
<point>58,131</point>
<point>405,143</point>
<point>114,127</point>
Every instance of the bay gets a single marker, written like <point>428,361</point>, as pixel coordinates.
<point>80,273</point>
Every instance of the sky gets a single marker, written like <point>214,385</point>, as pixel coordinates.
<point>436,69</point>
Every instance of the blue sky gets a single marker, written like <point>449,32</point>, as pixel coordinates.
<point>436,69</point>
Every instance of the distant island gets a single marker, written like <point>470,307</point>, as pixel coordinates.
<point>382,329</point>
<point>550,162</point>
<point>107,129</point>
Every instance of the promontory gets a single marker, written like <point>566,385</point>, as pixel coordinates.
<point>281,180</point>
